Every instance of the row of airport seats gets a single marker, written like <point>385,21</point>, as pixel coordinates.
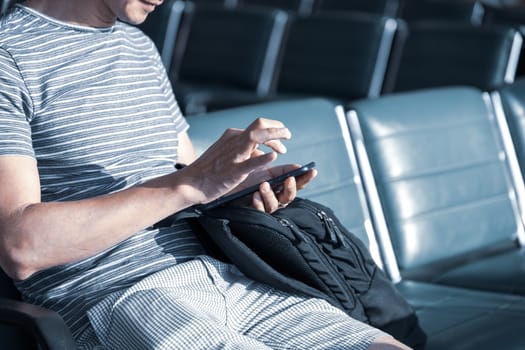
<point>218,57</point>
<point>431,180</point>
<point>469,10</point>
<point>473,11</point>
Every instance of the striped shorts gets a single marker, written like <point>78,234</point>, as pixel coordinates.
<point>207,304</point>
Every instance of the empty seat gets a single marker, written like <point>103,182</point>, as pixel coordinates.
<point>341,56</point>
<point>438,53</point>
<point>228,51</point>
<point>380,7</point>
<point>446,205</point>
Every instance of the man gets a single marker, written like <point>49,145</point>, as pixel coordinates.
<point>89,137</point>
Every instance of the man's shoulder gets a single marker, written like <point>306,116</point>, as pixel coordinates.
<point>15,25</point>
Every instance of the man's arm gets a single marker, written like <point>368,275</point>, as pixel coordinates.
<point>36,235</point>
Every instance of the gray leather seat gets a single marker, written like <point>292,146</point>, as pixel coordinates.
<point>441,53</point>
<point>227,52</point>
<point>343,56</point>
<point>446,207</point>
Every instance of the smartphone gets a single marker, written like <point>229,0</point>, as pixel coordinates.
<point>274,183</point>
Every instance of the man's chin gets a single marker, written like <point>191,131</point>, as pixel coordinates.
<point>135,19</point>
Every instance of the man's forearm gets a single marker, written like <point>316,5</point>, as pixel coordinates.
<point>42,235</point>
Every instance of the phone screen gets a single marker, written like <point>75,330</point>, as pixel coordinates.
<point>274,182</point>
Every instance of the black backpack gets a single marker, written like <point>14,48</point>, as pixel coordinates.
<point>303,248</point>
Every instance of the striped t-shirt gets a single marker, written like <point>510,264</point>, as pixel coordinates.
<point>95,108</point>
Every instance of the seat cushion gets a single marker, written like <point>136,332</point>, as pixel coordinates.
<point>456,318</point>
<point>501,273</point>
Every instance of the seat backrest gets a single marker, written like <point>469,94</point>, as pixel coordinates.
<point>232,47</point>
<point>509,16</point>
<point>438,53</point>
<point>437,172</point>
<point>380,7</point>
<point>303,7</point>
<point>342,56</point>
<point>513,15</point>
<point>320,134</point>
<point>449,10</point>
<point>225,3</point>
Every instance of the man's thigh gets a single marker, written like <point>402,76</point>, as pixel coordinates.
<point>284,321</point>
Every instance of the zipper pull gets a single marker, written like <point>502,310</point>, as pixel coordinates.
<point>285,222</point>
<point>297,233</point>
<point>336,236</point>
<point>338,232</point>
<point>324,218</point>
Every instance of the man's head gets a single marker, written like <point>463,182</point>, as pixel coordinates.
<point>96,13</point>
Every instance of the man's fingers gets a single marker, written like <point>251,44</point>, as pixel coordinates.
<point>269,132</point>
<point>288,193</point>
<point>270,137</point>
<point>269,199</point>
<point>257,201</point>
<point>304,179</point>
<point>257,161</point>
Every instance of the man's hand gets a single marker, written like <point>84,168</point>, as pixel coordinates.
<point>230,160</point>
<point>268,200</point>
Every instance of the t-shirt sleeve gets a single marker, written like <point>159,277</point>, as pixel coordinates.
<point>15,110</point>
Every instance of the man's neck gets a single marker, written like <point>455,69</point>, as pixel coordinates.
<point>88,13</point>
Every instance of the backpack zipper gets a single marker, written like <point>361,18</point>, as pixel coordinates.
<point>336,235</point>
<point>336,232</point>
<point>340,281</point>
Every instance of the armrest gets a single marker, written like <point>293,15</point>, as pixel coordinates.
<point>46,326</point>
